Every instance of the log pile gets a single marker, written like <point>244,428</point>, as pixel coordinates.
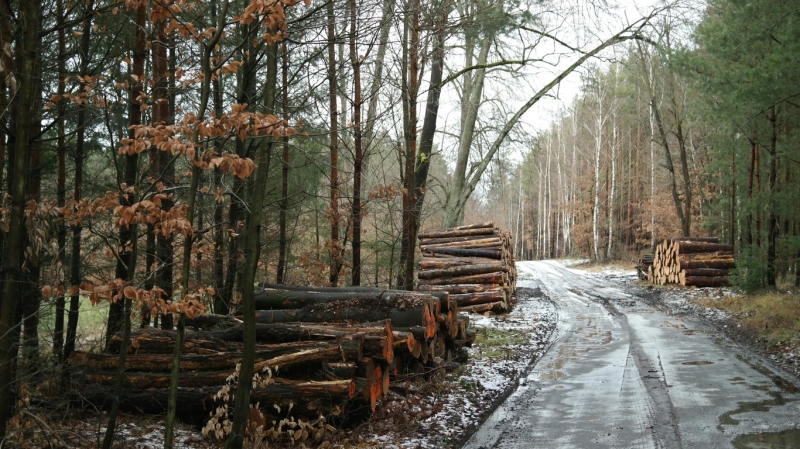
<point>474,263</point>
<point>644,266</point>
<point>692,261</point>
<point>326,351</point>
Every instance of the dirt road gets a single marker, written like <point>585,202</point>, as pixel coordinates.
<point>622,374</point>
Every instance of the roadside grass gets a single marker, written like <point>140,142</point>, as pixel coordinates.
<point>774,316</point>
<point>497,343</point>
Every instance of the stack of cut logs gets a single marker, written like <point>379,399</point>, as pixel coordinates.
<point>692,261</point>
<point>327,351</point>
<point>474,263</point>
<point>644,266</point>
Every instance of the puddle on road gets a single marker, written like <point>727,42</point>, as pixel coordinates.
<point>588,338</point>
<point>745,407</point>
<point>777,440</point>
<point>698,363</point>
<point>779,381</point>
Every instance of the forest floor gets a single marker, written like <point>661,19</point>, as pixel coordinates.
<point>444,411</point>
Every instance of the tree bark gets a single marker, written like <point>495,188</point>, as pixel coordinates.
<point>253,243</point>
<point>358,161</point>
<point>205,93</point>
<point>13,257</point>
<point>280,275</point>
<point>334,249</point>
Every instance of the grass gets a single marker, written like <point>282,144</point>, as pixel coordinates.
<point>499,342</point>
<point>597,266</point>
<point>91,330</point>
<point>772,315</point>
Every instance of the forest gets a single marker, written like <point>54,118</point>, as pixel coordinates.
<point>157,156</point>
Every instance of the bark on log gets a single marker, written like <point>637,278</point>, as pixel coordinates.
<point>468,238</point>
<point>471,299</point>
<point>463,252</point>
<point>444,233</point>
<point>703,281</point>
<point>462,270</point>
<point>410,310</point>
<point>477,243</point>
<point>437,263</point>
<point>693,239</point>
<point>496,307</point>
<point>268,299</point>
<point>309,398</point>
<point>155,362</point>
<point>709,272</point>
<point>454,289</point>
<point>702,247</point>
<point>498,277</point>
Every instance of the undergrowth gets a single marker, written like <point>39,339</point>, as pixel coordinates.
<point>774,316</point>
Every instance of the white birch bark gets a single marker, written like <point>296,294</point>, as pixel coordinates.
<point>613,184</point>
<point>598,146</point>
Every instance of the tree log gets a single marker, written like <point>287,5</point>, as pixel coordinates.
<point>702,247</point>
<point>409,310</point>
<point>496,307</point>
<point>268,299</point>
<point>309,398</point>
<point>437,262</point>
<point>467,238</point>
<point>453,232</point>
<point>156,362</point>
<point>688,264</point>
<point>497,277</point>
<point>462,288</point>
<point>461,270</point>
<point>709,272</point>
<point>704,281</point>
<point>693,239</point>
<point>463,252</point>
<point>477,243</point>
<point>471,299</point>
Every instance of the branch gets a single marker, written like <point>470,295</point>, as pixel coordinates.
<point>486,66</point>
<point>630,32</point>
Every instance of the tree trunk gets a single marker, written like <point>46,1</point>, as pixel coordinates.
<point>61,182</point>
<point>772,216</point>
<point>14,252</point>
<point>126,259</point>
<point>253,243</point>
<point>359,152</point>
<point>410,89</point>
<point>335,249</point>
<point>80,139</point>
<point>127,197</point>
<point>205,93</point>
<point>280,276</point>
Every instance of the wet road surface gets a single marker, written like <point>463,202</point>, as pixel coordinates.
<point>622,374</point>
